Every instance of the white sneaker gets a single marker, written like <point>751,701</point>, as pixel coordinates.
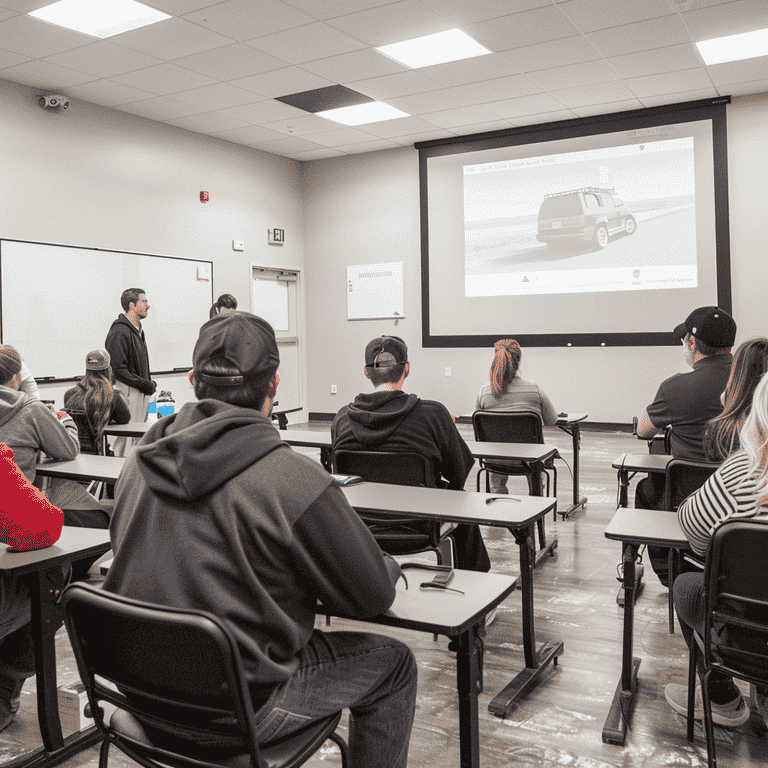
<point>730,715</point>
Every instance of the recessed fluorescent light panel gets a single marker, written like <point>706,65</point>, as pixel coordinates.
<point>374,112</point>
<point>100,18</point>
<point>748,45</point>
<point>434,49</point>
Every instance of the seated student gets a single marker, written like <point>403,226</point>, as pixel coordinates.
<point>509,392</point>
<point>389,420</point>
<point>738,489</point>
<point>28,427</point>
<point>215,512</point>
<point>225,303</point>
<point>95,396</point>
<point>750,362</point>
<point>28,521</point>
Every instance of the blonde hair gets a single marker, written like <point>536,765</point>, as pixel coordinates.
<point>754,438</point>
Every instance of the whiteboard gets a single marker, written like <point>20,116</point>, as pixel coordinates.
<point>58,302</point>
<point>375,291</point>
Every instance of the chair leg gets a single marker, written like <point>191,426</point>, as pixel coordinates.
<point>692,660</point>
<point>343,748</point>
<point>672,568</point>
<point>104,753</point>
<point>709,728</point>
<point>444,552</point>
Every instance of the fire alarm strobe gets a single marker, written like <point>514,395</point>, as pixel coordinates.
<point>204,197</point>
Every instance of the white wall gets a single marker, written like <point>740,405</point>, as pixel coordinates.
<point>365,210</point>
<point>97,177</point>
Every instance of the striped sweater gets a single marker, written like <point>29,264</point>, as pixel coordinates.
<point>722,497</point>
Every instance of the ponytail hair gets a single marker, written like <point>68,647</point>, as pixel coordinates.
<point>225,301</point>
<point>506,362</point>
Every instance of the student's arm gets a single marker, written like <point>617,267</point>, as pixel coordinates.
<point>28,384</point>
<point>121,413</point>
<point>57,437</point>
<point>337,554</point>
<point>548,412</point>
<point>645,428</point>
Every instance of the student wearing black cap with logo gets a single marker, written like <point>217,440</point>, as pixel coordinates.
<point>388,419</point>
<point>687,401</point>
<point>214,511</point>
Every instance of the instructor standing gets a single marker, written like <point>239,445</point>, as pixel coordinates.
<point>127,348</point>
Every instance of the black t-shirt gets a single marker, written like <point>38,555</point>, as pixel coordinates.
<point>688,401</point>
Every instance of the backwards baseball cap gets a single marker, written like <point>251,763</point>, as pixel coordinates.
<point>243,341</point>
<point>98,360</point>
<point>712,325</point>
<point>385,352</point>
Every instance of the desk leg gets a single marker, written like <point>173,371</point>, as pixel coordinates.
<point>620,713</point>
<point>578,501</point>
<point>535,661</point>
<point>468,683</point>
<point>623,476</point>
<point>537,489</point>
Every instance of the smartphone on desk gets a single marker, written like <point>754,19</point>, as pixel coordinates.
<point>347,479</point>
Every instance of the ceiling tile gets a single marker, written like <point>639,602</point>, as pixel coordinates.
<point>668,59</point>
<point>695,5</point>
<point>501,88</point>
<point>25,6</point>
<point>399,84</point>
<point>10,59</point>
<point>728,19</point>
<point>230,62</point>
<point>451,118</point>
<point>461,12</point>
<point>328,9</point>
<point>544,118</point>
<point>280,82</point>
<point>288,144</point>
<point>488,67</point>
<point>163,79</point>
<point>45,76</point>
<point>159,108</point>
<point>671,82</point>
<point>179,7</point>
<point>341,135</point>
<point>392,23</point>
<point>402,126</point>
<point>103,59</point>
<point>35,38</point>
<point>585,95</point>
<point>5,13</point>
<point>216,96</point>
<point>245,19</point>
<point>312,41</point>
<point>377,145</point>
<point>260,112</point>
<point>300,126</point>
<point>171,39</point>
<point>574,75</point>
<point>744,89</point>
<point>358,65</point>
<point>247,134</point>
<point>615,106</point>
<point>527,105</point>
<point>519,29</point>
<point>208,122</point>
<point>106,92</point>
<point>556,53</point>
<point>591,15</point>
<point>739,71</point>
<point>437,133</point>
<point>431,101</point>
<point>317,154</point>
<point>640,36</point>
<point>494,125</point>
<point>678,98</point>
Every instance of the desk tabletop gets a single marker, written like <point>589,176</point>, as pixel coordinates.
<point>647,526</point>
<point>131,429</point>
<point>73,544</point>
<point>86,466</point>
<point>449,506</point>
<point>444,612</point>
<point>642,462</point>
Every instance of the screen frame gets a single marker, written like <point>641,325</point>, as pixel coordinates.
<point>713,110</point>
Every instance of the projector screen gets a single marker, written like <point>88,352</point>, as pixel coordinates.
<point>606,231</point>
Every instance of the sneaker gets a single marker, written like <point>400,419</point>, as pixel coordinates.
<point>8,710</point>
<point>730,715</point>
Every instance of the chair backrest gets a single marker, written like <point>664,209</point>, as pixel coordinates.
<point>736,599</point>
<point>683,477</point>
<point>395,468</point>
<point>507,427</point>
<point>661,443</point>
<point>89,442</point>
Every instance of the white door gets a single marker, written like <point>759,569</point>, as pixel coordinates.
<point>274,296</point>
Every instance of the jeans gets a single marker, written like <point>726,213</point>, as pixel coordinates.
<point>689,606</point>
<point>373,676</point>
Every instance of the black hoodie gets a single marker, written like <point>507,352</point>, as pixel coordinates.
<point>214,511</point>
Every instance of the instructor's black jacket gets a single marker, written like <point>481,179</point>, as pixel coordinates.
<point>130,360</point>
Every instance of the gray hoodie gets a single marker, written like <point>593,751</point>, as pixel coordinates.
<point>28,427</point>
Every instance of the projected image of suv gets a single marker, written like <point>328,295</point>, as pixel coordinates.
<point>590,215</point>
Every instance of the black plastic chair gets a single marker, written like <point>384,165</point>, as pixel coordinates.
<point>681,478</point>
<point>735,639</point>
<point>513,427</point>
<point>398,535</point>
<point>89,441</point>
<point>183,697</point>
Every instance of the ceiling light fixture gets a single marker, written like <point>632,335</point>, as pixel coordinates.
<point>747,45</point>
<point>373,112</point>
<point>98,17</point>
<point>439,48</point>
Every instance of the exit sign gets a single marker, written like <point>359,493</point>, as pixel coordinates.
<point>276,236</point>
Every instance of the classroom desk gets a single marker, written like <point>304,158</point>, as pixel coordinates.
<point>652,463</point>
<point>73,544</point>
<point>518,514</point>
<point>461,618</point>
<point>633,528</point>
<point>569,423</point>
<point>86,466</point>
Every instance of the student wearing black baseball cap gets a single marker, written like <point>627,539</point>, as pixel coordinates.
<point>214,511</point>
